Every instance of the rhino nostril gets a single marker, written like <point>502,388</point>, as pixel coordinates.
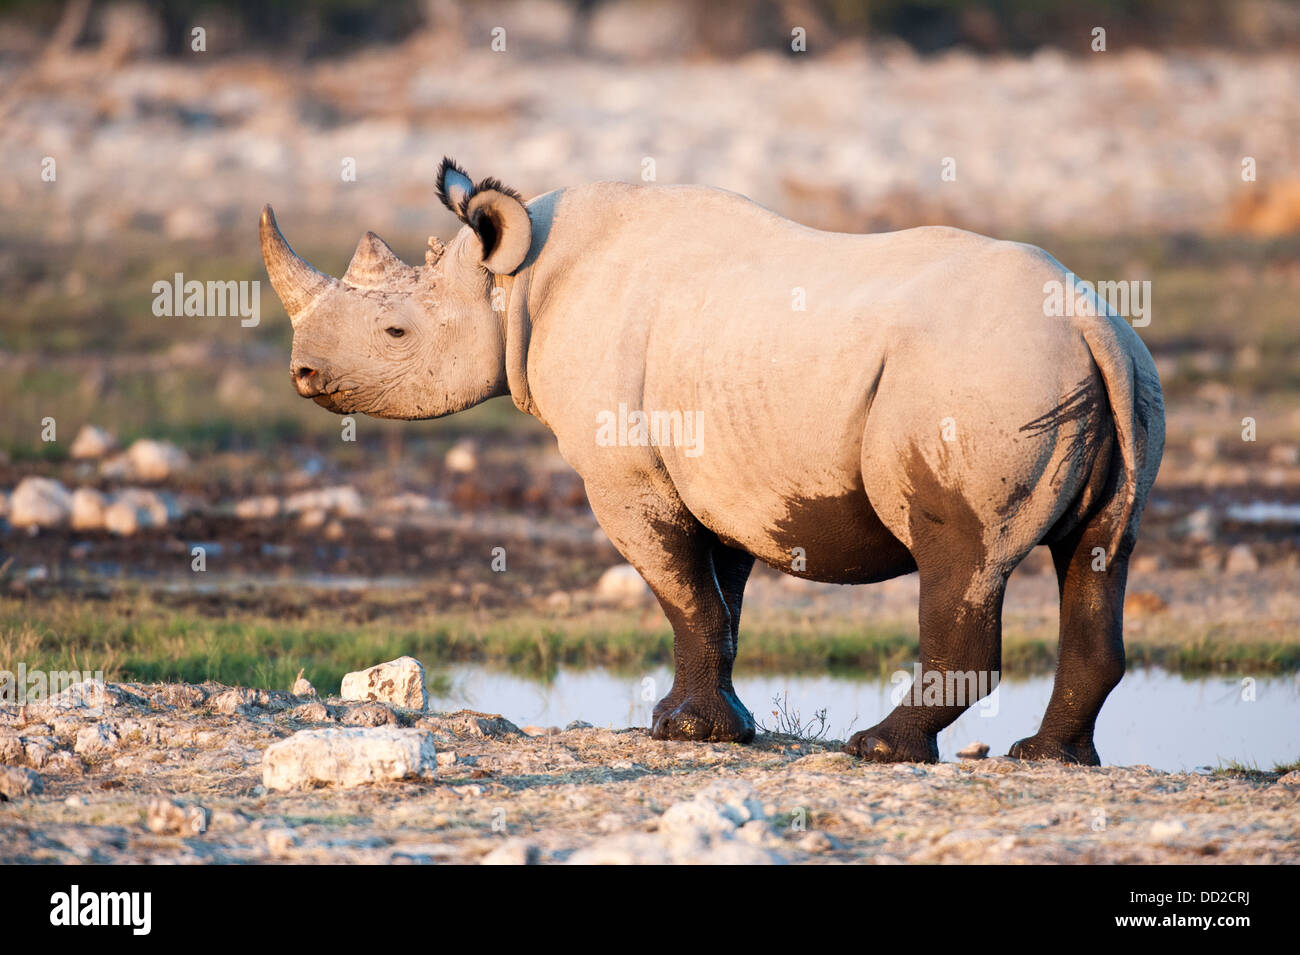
<point>304,372</point>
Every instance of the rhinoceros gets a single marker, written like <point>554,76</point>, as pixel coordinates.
<point>731,386</point>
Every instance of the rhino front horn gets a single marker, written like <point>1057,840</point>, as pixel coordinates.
<point>294,279</point>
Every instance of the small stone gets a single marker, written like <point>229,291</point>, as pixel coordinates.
<point>172,817</point>
<point>263,508</point>
<point>91,443</point>
<point>88,508</point>
<point>155,461</point>
<point>622,584</point>
<point>17,782</point>
<point>349,757</point>
<point>1290,779</point>
<point>462,458</point>
<point>39,502</point>
<point>75,802</point>
<point>824,763</point>
<point>470,723</point>
<point>1241,560</point>
<point>280,841</point>
<point>302,687</point>
<point>975,750</point>
<point>447,758</point>
<point>369,714</point>
<point>1166,830</point>
<point>578,725</point>
<point>400,682</point>
<point>96,739</point>
<point>816,843</point>
<point>512,852</point>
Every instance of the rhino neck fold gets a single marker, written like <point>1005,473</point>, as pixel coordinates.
<point>515,328</point>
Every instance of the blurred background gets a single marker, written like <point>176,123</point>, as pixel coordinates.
<point>140,140</point>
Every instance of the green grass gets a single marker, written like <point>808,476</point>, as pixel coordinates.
<point>131,638</point>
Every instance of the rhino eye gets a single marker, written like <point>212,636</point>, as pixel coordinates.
<point>395,332</point>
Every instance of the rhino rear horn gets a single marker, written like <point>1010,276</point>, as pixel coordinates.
<point>375,265</point>
<point>294,279</point>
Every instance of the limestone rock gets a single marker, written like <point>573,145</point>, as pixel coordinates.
<point>349,757</point>
<point>169,816</point>
<point>512,852</point>
<point>16,782</point>
<point>399,682</point>
<point>88,509</point>
<point>96,739</point>
<point>976,750</point>
<point>39,502</point>
<point>622,584</point>
<point>468,723</point>
<point>92,443</point>
<point>155,461</point>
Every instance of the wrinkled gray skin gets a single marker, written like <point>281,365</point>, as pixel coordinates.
<point>920,413</point>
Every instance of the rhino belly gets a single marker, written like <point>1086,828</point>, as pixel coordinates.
<point>832,539</point>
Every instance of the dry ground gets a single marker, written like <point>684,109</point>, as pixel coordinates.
<point>584,794</point>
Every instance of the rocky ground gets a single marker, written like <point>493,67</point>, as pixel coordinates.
<point>175,773</point>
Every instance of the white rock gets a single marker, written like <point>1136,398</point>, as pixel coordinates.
<point>280,841</point>
<point>976,750</point>
<point>349,757</point>
<point>155,461</point>
<point>39,502</point>
<point>512,852</point>
<point>462,458</point>
<point>136,509</point>
<point>16,781</point>
<point>400,682</point>
<point>92,443</point>
<point>88,507</point>
<point>95,739</point>
<point>1241,560</point>
<point>169,816</point>
<point>261,508</point>
<point>302,686</point>
<point>343,501</point>
<point>622,584</point>
<point>1167,829</point>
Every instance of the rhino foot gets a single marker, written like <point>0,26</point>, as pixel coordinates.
<point>880,744</point>
<point>716,718</point>
<point>1042,747</point>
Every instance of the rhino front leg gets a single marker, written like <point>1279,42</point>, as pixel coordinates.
<point>676,556</point>
<point>961,651</point>
<point>732,568</point>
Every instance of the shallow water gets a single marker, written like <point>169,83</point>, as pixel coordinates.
<point>1153,717</point>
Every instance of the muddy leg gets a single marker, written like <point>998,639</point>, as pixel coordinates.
<point>1090,662</point>
<point>732,569</point>
<point>961,653</point>
<point>675,555</point>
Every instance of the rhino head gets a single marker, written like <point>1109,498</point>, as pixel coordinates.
<point>399,341</point>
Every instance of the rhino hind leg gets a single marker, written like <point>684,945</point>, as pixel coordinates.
<point>960,654</point>
<point>1090,662</point>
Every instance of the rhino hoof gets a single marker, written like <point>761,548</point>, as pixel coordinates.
<point>1041,747</point>
<point>715,719</point>
<point>878,745</point>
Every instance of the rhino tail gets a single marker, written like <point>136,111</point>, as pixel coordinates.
<point>1119,374</point>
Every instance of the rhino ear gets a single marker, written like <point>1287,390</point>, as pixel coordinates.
<point>454,186</point>
<point>499,219</point>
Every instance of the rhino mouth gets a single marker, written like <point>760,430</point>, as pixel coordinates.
<point>336,400</point>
